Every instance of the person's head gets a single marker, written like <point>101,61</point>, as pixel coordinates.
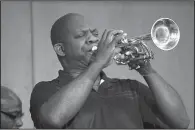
<point>73,40</point>
<point>11,109</point>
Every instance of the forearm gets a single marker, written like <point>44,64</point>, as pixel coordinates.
<point>62,106</point>
<point>168,101</point>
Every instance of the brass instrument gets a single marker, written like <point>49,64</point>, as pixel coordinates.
<point>164,33</point>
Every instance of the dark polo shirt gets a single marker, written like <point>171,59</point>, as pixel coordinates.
<point>118,103</point>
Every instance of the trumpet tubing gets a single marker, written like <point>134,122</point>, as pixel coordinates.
<point>165,35</point>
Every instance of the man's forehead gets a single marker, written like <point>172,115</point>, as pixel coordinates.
<point>79,27</point>
<point>76,23</point>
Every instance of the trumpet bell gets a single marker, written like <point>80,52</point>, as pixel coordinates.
<point>165,34</point>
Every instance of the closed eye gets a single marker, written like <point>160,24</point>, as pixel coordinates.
<point>95,32</point>
<point>13,114</point>
<point>80,34</point>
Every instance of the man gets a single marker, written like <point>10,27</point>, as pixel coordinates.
<point>82,96</point>
<point>11,109</point>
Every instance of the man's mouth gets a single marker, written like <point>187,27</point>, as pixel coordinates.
<point>91,53</point>
<point>93,50</point>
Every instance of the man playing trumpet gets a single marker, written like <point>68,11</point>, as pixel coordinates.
<point>82,96</point>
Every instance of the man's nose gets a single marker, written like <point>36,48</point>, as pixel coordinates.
<point>19,122</point>
<point>92,39</point>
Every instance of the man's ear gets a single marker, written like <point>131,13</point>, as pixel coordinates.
<point>59,49</point>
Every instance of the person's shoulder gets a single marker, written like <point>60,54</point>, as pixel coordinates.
<point>41,86</point>
<point>43,90</point>
<point>45,86</point>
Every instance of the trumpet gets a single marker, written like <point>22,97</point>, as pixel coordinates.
<point>164,33</point>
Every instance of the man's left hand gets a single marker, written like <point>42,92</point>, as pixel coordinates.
<point>142,66</point>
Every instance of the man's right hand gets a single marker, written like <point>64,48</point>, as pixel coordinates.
<point>106,47</point>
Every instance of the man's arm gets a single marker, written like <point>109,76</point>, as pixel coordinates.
<point>64,104</point>
<point>169,103</point>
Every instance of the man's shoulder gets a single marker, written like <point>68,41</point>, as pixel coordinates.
<point>43,90</point>
<point>43,86</point>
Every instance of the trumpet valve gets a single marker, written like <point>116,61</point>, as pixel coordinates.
<point>128,53</point>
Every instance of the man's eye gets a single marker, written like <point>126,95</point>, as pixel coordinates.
<point>13,116</point>
<point>95,33</point>
<point>81,34</point>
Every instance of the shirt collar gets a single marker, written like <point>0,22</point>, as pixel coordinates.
<point>101,81</point>
<point>64,77</point>
<point>64,73</point>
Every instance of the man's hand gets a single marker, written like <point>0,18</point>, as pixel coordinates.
<point>106,47</point>
<point>141,59</point>
<point>141,66</point>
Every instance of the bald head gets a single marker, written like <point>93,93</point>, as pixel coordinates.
<point>9,100</point>
<point>65,25</point>
<point>72,39</point>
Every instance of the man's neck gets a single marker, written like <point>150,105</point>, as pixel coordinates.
<point>74,71</point>
<point>73,68</point>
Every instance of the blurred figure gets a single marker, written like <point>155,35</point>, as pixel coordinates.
<point>11,109</point>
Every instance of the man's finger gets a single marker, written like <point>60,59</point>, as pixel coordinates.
<point>118,38</point>
<point>122,56</point>
<point>145,48</point>
<point>117,50</point>
<point>133,66</point>
<point>111,34</point>
<point>141,53</point>
<point>141,57</point>
<point>104,35</point>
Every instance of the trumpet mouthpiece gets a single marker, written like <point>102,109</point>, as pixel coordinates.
<point>94,48</point>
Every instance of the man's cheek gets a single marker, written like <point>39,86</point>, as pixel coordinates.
<point>84,49</point>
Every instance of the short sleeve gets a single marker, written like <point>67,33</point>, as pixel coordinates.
<point>148,108</point>
<point>40,94</point>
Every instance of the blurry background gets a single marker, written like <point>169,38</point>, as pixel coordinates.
<point>27,56</point>
<point>16,53</point>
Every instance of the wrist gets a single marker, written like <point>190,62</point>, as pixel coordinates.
<point>94,70</point>
<point>146,71</point>
<point>97,64</point>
